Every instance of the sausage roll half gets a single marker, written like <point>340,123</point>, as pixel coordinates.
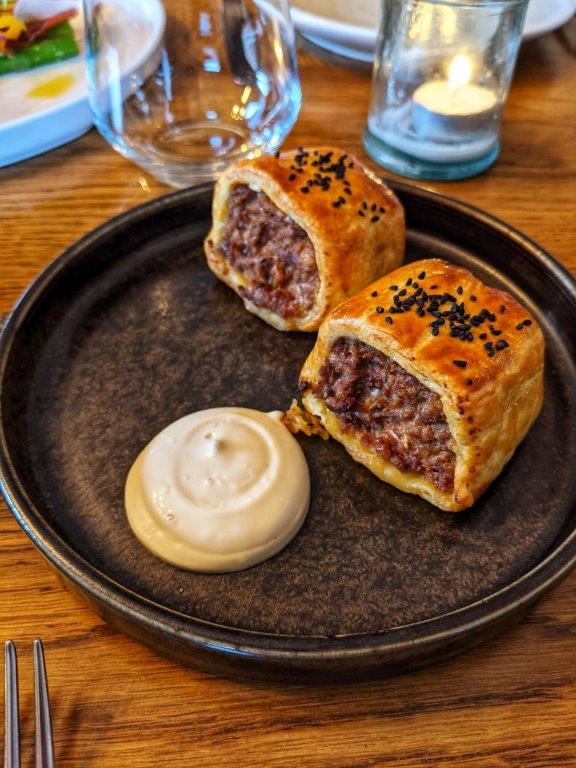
<point>297,233</point>
<point>430,379</point>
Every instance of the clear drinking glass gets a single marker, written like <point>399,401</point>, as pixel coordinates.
<point>441,77</point>
<point>183,88</point>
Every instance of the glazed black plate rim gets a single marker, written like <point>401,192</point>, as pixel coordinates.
<point>225,639</point>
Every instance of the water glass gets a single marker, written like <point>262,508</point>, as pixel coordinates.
<point>183,88</point>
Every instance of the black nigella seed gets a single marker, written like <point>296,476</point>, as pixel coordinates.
<point>374,293</point>
<point>348,191</point>
<point>373,207</point>
<point>490,352</point>
<point>389,320</point>
<point>341,200</point>
<point>304,190</point>
<point>364,206</point>
<point>374,219</point>
<point>459,290</point>
<point>469,382</point>
<point>483,336</point>
<point>460,363</point>
<point>433,287</point>
<point>421,313</point>
<point>472,297</point>
<point>403,292</point>
<point>292,177</point>
<point>519,326</point>
<point>527,322</point>
<point>502,344</point>
<point>422,275</point>
<point>277,154</point>
<point>418,291</point>
<point>336,204</point>
<point>435,331</point>
<point>409,281</point>
<point>382,210</point>
<point>488,345</point>
<point>361,213</point>
<point>502,309</point>
<point>299,170</point>
<point>469,336</point>
<point>379,310</point>
<point>415,286</point>
<point>495,332</point>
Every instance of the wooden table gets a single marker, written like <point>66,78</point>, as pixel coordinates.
<point>116,704</point>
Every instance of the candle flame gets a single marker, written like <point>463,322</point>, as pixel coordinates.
<point>459,72</point>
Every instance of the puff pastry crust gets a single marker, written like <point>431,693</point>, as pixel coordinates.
<point>354,222</point>
<point>483,357</point>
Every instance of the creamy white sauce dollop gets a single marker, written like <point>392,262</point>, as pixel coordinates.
<point>219,490</point>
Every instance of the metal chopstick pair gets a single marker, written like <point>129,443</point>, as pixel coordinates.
<point>44,748</point>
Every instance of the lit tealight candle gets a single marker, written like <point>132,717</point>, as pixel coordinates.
<point>455,108</point>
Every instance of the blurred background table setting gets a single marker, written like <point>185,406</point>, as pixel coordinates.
<point>144,97</point>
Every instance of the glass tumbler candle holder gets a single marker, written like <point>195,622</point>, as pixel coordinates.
<point>441,77</point>
<point>185,87</point>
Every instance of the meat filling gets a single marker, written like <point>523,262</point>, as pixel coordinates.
<point>272,252</point>
<point>389,410</point>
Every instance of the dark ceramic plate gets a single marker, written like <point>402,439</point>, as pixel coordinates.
<point>128,331</point>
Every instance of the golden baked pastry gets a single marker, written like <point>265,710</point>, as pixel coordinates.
<point>430,379</point>
<point>295,234</point>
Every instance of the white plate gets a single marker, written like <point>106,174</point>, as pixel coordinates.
<point>30,126</point>
<point>350,28</point>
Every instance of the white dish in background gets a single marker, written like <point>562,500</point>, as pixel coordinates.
<point>31,126</point>
<point>350,28</point>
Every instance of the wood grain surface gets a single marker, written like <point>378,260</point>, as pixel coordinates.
<point>509,703</point>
